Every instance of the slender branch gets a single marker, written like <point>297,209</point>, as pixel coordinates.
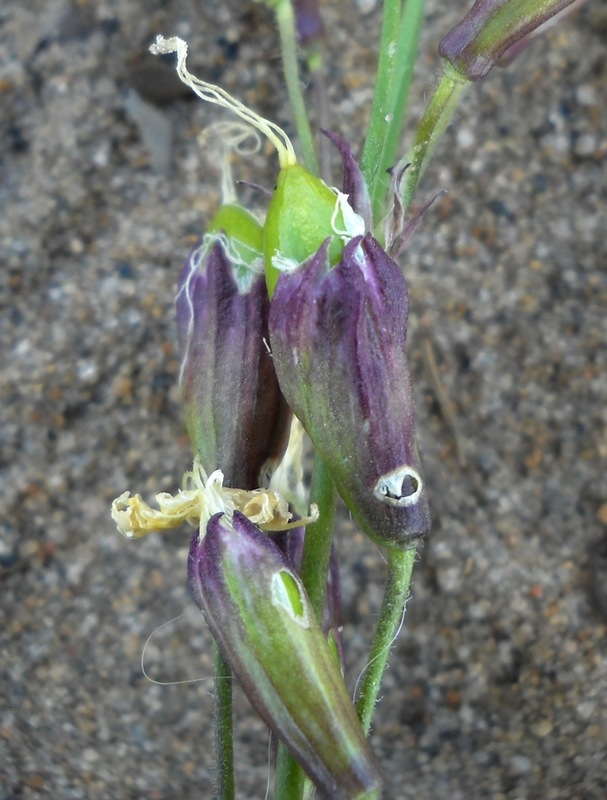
<point>319,535</point>
<point>290,778</point>
<point>379,119</point>
<point>224,743</point>
<point>317,74</point>
<point>286,28</point>
<point>435,121</point>
<point>406,56</point>
<point>400,567</point>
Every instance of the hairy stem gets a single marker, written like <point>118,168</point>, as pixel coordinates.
<point>224,743</point>
<point>400,567</point>
<point>435,121</point>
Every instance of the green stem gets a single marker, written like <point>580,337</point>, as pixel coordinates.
<point>224,742</point>
<point>290,779</point>
<point>319,535</point>
<point>435,121</point>
<point>400,567</point>
<point>406,55</point>
<point>379,119</point>
<point>286,28</point>
<point>317,74</point>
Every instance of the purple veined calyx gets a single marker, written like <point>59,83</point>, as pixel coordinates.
<point>394,488</point>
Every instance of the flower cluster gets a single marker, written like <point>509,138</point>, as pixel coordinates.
<point>299,319</point>
<point>297,322</point>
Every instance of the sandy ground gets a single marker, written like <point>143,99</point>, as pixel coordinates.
<point>497,686</point>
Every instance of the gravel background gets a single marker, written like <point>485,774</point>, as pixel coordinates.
<point>497,685</point>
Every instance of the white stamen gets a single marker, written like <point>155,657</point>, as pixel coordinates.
<point>220,140</point>
<point>284,264</point>
<point>288,479</point>
<point>355,224</point>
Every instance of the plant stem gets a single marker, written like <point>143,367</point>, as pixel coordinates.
<point>286,28</point>
<point>437,117</point>
<point>380,110</point>
<point>224,743</point>
<point>290,778</point>
<point>319,535</point>
<point>317,74</point>
<point>406,55</point>
<point>400,567</point>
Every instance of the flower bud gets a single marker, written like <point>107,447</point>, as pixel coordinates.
<point>308,21</point>
<point>235,415</point>
<point>512,53</point>
<point>338,340</point>
<point>490,29</point>
<point>261,618</point>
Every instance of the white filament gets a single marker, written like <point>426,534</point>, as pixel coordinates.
<point>215,94</point>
